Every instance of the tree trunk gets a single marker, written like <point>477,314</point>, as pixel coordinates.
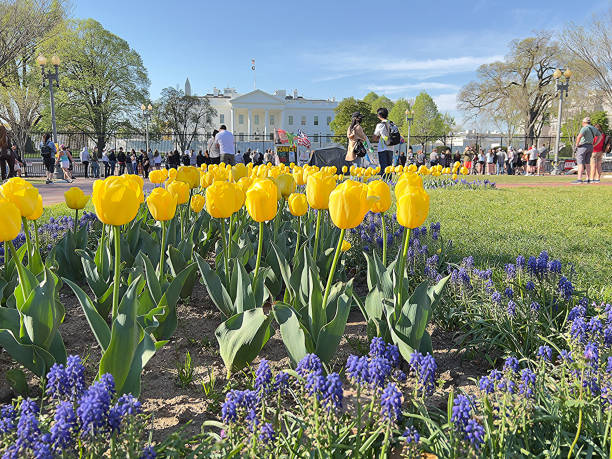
<point>100,143</point>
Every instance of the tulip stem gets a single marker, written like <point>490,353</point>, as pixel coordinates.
<point>384,239</point>
<point>162,260</point>
<point>297,241</point>
<point>316,242</point>
<point>332,271</point>
<point>19,267</point>
<point>259,249</point>
<point>225,251</point>
<point>117,274</point>
<point>26,231</point>
<point>36,241</point>
<point>402,266</point>
<point>76,219</point>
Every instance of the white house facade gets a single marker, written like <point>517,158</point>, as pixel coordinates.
<point>255,116</point>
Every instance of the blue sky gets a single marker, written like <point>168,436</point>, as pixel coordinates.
<point>328,48</point>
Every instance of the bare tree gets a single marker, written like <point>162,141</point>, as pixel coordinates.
<point>184,115</point>
<point>591,49</point>
<point>522,79</point>
<point>24,25</point>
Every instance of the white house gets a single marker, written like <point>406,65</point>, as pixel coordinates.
<point>254,116</point>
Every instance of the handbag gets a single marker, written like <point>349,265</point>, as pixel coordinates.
<point>359,149</point>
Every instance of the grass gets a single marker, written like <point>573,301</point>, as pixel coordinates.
<point>526,180</point>
<point>573,224</point>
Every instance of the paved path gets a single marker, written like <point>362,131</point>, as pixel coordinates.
<point>551,184</point>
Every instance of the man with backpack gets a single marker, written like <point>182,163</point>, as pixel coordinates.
<point>48,151</point>
<point>387,134</point>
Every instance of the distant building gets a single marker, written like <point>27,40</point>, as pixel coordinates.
<point>254,116</point>
<point>187,87</point>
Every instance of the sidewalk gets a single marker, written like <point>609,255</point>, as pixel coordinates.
<point>53,193</point>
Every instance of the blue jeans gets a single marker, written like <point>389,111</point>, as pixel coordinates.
<point>95,169</point>
<point>130,169</point>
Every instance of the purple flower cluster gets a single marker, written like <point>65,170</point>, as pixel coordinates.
<point>424,367</point>
<point>391,403</point>
<point>472,431</point>
<point>376,368</point>
<point>79,411</point>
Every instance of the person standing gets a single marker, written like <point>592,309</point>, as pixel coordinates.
<point>542,158</point>
<point>6,157</point>
<point>420,158</point>
<point>106,162</point>
<point>213,149</point>
<point>354,134</point>
<point>200,159</point>
<point>18,163</point>
<point>409,156</point>
<point>157,160</point>
<point>84,155</point>
<point>510,161</point>
<point>121,158</point>
<point>490,162</point>
<point>584,149</point>
<point>93,160</point>
<point>48,151</point>
<point>64,159</point>
<point>225,141</point>
<point>381,134</point>
<point>112,160</point>
<point>601,144</point>
<point>501,161</point>
<point>433,158</point>
<point>128,162</point>
<point>246,157</point>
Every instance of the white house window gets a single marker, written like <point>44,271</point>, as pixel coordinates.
<point>240,119</point>
<point>290,120</point>
<point>316,120</point>
<point>315,138</point>
<point>303,121</point>
<point>328,120</point>
<point>271,120</point>
<point>256,119</point>
<point>222,118</point>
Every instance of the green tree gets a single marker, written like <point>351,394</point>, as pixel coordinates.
<point>398,115</point>
<point>342,118</point>
<point>428,124</point>
<point>370,97</point>
<point>382,101</point>
<point>572,125</point>
<point>601,118</point>
<point>103,81</point>
<point>24,25</point>
<point>184,115</point>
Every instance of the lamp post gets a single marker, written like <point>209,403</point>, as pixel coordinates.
<point>562,79</point>
<point>146,113</point>
<point>409,119</point>
<point>49,77</point>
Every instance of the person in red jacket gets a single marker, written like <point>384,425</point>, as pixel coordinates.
<point>600,144</point>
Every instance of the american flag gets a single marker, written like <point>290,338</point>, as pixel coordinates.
<point>302,139</point>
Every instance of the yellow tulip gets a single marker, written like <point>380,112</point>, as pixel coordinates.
<point>172,173</point>
<point>298,205</point>
<point>407,180</point>
<point>189,175</point>
<point>221,199</point>
<point>207,179</point>
<point>197,203</point>
<point>464,171</point>
<point>244,183</point>
<point>286,184</point>
<point>344,169</point>
<point>382,191</point>
<point>239,171</point>
<point>349,203</point>
<point>10,222</point>
<point>75,198</point>
<point>299,175</point>
<point>454,177</point>
<point>346,245</point>
<point>318,188</point>
<point>412,206</point>
<point>180,190</point>
<point>240,197</point>
<point>22,194</point>
<point>261,200</point>
<point>115,200</point>
<point>423,170</point>
<point>158,176</point>
<point>412,168</point>
<point>162,204</point>
<point>39,210</point>
<point>136,182</point>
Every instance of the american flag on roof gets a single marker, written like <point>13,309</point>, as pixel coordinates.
<point>302,139</point>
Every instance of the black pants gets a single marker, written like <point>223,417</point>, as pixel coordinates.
<point>385,158</point>
<point>7,159</point>
<point>121,168</point>
<point>216,160</point>
<point>107,169</point>
<point>86,168</point>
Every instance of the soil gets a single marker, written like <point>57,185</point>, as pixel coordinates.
<point>173,407</point>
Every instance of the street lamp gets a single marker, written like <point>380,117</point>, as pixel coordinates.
<point>409,119</point>
<point>48,78</point>
<point>146,113</point>
<point>562,79</point>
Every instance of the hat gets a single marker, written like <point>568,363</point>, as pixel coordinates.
<point>62,146</point>
<point>587,120</point>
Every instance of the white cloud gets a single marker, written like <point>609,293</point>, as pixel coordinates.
<point>446,102</point>
<point>424,85</point>
<point>452,64</point>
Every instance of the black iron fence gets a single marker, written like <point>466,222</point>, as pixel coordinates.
<point>170,142</point>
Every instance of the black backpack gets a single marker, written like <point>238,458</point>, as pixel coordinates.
<point>45,151</point>
<point>394,134</point>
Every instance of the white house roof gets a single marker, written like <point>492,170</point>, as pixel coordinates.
<point>257,97</point>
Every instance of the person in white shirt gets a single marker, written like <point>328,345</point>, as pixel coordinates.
<point>225,140</point>
<point>238,158</point>
<point>213,149</point>
<point>85,160</point>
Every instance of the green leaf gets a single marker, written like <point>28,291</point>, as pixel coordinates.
<point>241,338</point>
<point>97,324</point>
<point>17,380</point>
<point>143,353</point>
<point>125,337</point>
<point>331,334</point>
<point>295,338</point>
<point>34,358</point>
<point>215,288</point>
<point>426,346</point>
<point>39,313</point>
<point>151,276</point>
<point>168,321</point>
<point>243,299</point>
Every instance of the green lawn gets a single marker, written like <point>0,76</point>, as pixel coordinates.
<point>573,224</point>
<point>526,180</point>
